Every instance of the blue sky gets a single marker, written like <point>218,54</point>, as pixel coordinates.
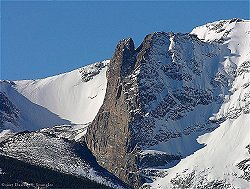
<point>44,38</point>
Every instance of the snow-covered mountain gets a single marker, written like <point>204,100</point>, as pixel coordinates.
<point>224,161</point>
<point>63,99</point>
<point>173,89</point>
<point>172,113</point>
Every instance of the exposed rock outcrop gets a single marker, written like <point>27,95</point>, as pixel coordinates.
<point>137,96</point>
<point>110,135</point>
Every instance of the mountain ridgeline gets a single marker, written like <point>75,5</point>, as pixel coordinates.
<point>165,91</point>
<point>136,96</point>
<point>171,113</point>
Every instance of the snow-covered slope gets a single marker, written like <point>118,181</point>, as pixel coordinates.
<point>69,98</point>
<point>43,148</point>
<point>224,159</point>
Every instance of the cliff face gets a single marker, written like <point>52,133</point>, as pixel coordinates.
<point>111,136</point>
<point>110,133</point>
<point>138,95</point>
<point>162,96</point>
<point>134,98</point>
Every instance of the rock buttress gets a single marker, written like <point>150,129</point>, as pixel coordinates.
<point>111,135</point>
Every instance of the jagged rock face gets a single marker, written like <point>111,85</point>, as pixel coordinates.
<point>138,95</point>
<point>164,93</point>
<point>111,137</point>
<point>110,134</point>
<point>168,84</point>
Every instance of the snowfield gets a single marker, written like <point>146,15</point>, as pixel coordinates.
<point>70,98</point>
<point>67,95</point>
